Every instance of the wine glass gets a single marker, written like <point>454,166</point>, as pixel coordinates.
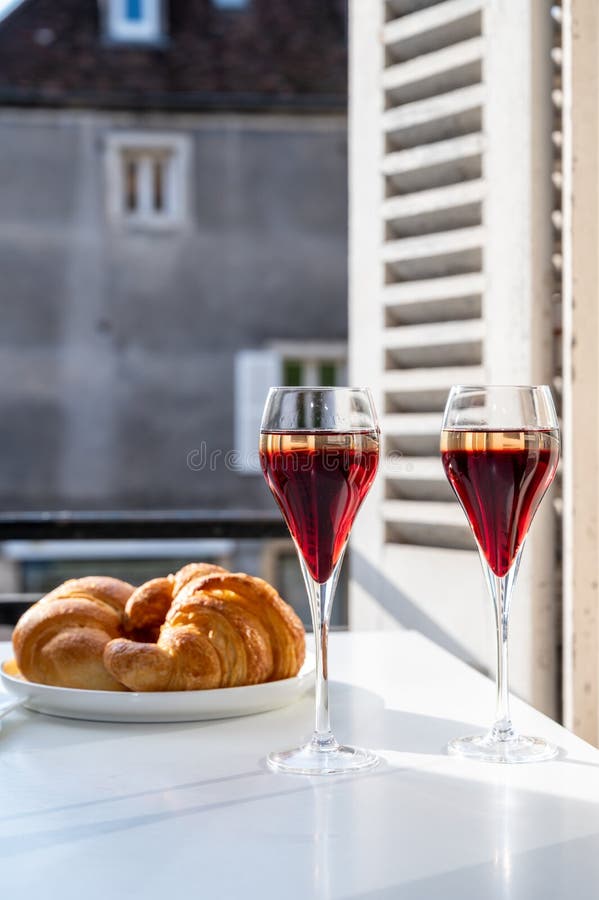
<point>319,451</point>
<point>500,448</point>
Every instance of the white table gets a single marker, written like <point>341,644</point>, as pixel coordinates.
<point>93,810</point>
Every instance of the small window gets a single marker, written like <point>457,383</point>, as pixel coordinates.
<point>292,373</point>
<point>230,4</point>
<point>135,21</point>
<point>285,363</point>
<point>147,179</point>
<point>328,372</point>
<point>256,371</point>
<point>134,10</point>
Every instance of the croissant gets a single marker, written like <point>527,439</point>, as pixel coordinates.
<point>222,630</point>
<point>146,608</point>
<point>60,640</point>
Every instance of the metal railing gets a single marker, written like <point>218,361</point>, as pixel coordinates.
<point>116,525</point>
<point>154,524</point>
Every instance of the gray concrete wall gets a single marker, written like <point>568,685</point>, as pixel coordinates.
<point>117,347</point>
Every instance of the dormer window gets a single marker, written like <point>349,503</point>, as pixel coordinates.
<point>230,4</point>
<point>135,21</point>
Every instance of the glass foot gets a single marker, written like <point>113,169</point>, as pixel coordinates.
<point>332,760</point>
<point>518,749</point>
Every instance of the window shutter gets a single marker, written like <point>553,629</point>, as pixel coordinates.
<point>255,372</point>
<point>432,254</point>
<point>450,262</point>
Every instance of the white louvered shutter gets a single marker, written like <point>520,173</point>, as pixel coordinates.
<point>255,372</point>
<point>450,246</point>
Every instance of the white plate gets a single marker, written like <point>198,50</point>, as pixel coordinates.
<point>166,706</point>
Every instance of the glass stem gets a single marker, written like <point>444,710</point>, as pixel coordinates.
<point>500,588</point>
<point>321,603</point>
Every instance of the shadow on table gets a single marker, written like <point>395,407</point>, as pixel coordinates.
<point>377,726</point>
<point>367,721</point>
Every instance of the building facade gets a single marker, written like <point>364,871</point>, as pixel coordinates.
<point>173,213</point>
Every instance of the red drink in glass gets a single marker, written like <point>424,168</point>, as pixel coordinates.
<point>500,478</point>
<point>319,480</point>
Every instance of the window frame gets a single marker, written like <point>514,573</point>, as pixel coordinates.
<point>312,356</point>
<point>136,142</point>
<point>257,369</point>
<point>149,29</point>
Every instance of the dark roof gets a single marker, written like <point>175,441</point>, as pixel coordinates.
<point>272,54</point>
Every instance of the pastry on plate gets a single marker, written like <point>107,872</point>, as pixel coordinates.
<point>201,628</point>
<point>222,630</point>
<point>60,640</point>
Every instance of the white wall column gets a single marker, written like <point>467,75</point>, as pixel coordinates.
<point>581,367</point>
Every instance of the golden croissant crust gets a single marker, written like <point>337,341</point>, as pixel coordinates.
<point>146,608</point>
<point>60,640</point>
<point>248,595</point>
<point>222,630</point>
